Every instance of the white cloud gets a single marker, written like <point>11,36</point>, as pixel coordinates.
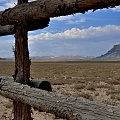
<point>4,4</point>
<point>7,4</point>
<point>76,33</point>
<point>117,9</point>
<point>92,41</point>
<point>70,19</point>
<point>6,48</point>
<point>63,18</point>
<point>82,20</point>
<point>75,41</point>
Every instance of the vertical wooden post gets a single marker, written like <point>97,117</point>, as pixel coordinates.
<point>22,69</point>
<point>22,62</point>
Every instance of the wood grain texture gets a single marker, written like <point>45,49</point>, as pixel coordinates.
<point>31,25</point>
<point>62,106</point>
<point>22,111</point>
<point>51,8</point>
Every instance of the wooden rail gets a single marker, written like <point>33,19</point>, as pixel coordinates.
<point>31,25</point>
<point>62,106</point>
<point>51,8</point>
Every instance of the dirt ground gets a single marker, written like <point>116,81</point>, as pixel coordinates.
<point>6,111</point>
<point>94,81</point>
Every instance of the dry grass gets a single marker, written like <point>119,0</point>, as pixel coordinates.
<point>6,68</point>
<point>86,96</point>
<point>88,78</point>
<point>78,87</point>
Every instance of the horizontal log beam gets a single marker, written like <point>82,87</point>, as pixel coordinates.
<point>62,106</point>
<point>6,30</point>
<point>32,25</point>
<point>51,8</point>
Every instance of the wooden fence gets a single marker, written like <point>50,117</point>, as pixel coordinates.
<point>62,106</point>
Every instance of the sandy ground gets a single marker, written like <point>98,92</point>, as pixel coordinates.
<point>6,108</point>
<point>6,111</point>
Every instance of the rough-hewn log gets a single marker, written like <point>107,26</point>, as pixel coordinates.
<point>58,104</point>
<point>22,62</point>
<point>51,8</point>
<point>22,111</point>
<point>31,25</point>
<point>7,30</point>
<point>40,84</point>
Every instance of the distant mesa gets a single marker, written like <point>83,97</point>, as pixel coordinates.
<point>2,58</point>
<point>112,54</point>
<point>61,58</point>
<point>55,58</point>
<point>6,59</point>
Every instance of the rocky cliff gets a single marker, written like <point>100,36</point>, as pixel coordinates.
<point>113,54</point>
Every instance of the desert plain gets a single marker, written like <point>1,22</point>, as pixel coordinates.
<point>89,80</point>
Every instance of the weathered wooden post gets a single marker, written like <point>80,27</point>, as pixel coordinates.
<point>22,67</point>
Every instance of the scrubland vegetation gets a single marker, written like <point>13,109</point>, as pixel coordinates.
<point>93,80</point>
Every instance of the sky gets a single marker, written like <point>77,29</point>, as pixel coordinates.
<point>89,34</point>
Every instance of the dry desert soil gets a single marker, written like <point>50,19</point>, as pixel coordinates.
<point>89,80</point>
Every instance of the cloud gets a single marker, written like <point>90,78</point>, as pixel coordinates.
<point>75,41</point>
<point>92,41</point>
<point>70,19</point>
<point>7,4</point>
<point>82,20</point>
<point>62,18</point>
<point>6,48</point>
<point>76,33</point>
<point>4,4</point>
<point>116,9</point>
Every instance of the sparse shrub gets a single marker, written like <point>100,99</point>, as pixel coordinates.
<point>9,105</point>
<point>107,86</point>
<point>118,98</point>
<point>110,102</point>
<point>81,73</point>
<point>86,96</point>
<point>109,92</point>
<point>68,77</point>
<point>114,82</point>
<point>79,86</point>
<point>96,94</point>
<point>91,87</point>
<point>115,97</point>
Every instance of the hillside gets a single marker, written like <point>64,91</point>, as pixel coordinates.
<point>2,58</point>
<point>112,54</point>
<point>61,58</point>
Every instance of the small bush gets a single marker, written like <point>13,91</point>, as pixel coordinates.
<point>91,87</point>
<point>86,96</point>
<point>79,86</point>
